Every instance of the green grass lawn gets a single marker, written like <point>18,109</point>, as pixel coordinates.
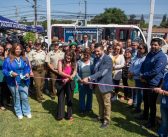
<point>43,123</point>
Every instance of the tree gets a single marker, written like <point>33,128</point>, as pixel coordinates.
<point>29,36</point>
<point>142,22</point>
<point>142,19</point>
<point>110,15</point>
<point>132,17</point>
<point>164,21</point>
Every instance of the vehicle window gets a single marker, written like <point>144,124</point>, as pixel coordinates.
<point>123,35</point>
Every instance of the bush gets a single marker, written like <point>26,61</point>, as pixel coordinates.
<point>29,36</point>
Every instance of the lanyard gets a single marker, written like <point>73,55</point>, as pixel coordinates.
<point>18,62</point>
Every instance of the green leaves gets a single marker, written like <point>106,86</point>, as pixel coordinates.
<point>29,36</point>
<point>111,16</point>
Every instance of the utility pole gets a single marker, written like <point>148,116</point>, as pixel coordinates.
<point>35,12</point>
<point>152,6</point>
<point>85,12</point>
<point>80,9</point>
<point>17,14</point>
<point>49,22</point>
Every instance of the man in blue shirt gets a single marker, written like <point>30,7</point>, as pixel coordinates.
<point>152,72</point>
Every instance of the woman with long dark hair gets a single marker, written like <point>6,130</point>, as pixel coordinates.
<point>67,69</point>
<point>16,70</point>
<point>127,91</point>
<point>134,70</point>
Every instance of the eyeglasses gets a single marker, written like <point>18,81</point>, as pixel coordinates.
<point>116,49</point>
<point>140,48</point>
<point>38,44</point>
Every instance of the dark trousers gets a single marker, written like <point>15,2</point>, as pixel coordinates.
<point>5,94</point>
<point>65,91</point>
<point>150,99</point>
<point>116,82</point>
<point>127,91</point>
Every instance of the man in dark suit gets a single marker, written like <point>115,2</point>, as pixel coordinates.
<point>102,74</point>
<point>85,42</point>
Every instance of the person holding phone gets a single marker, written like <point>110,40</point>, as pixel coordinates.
<point>16,70</point>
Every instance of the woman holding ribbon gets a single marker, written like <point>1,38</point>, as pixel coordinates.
<point>16,70</point>
<point>67,69</point>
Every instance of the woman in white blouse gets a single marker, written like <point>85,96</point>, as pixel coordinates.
<point>118,64</point>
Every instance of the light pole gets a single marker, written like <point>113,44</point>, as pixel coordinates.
<point>152,6</point>
<point>49,22</point>
<point>35,12</point>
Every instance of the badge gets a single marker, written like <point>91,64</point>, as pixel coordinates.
<point>163,100</point>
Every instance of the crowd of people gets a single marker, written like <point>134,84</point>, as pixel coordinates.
<point>25,67</point>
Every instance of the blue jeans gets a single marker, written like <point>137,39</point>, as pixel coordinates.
<point>137,95</point>
<point>163,130</point>
<point>20,100</point>
<point>85,104</point>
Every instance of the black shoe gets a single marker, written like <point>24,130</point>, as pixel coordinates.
<point>82,113</point>
<point>131,107</point>
<point>136,111</point>
<point>149,125</point>
<point>42,98</point>
<point>52,98</point>
<point>98,119</point>
<point>59,119</point>
<point>104,125</point>
<point>39,101</point>
<point>141,117</point>
<point>89,111</point>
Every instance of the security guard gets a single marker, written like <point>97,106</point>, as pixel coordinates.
<point>52,59</point>
<point>37,59</point>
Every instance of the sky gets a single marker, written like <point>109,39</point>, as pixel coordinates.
<point>15,9</point>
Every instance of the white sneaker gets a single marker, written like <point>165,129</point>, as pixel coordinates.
<point>29,116</point>
<point>20,117</point>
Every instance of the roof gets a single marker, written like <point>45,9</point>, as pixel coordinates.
<point>157,30</point>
